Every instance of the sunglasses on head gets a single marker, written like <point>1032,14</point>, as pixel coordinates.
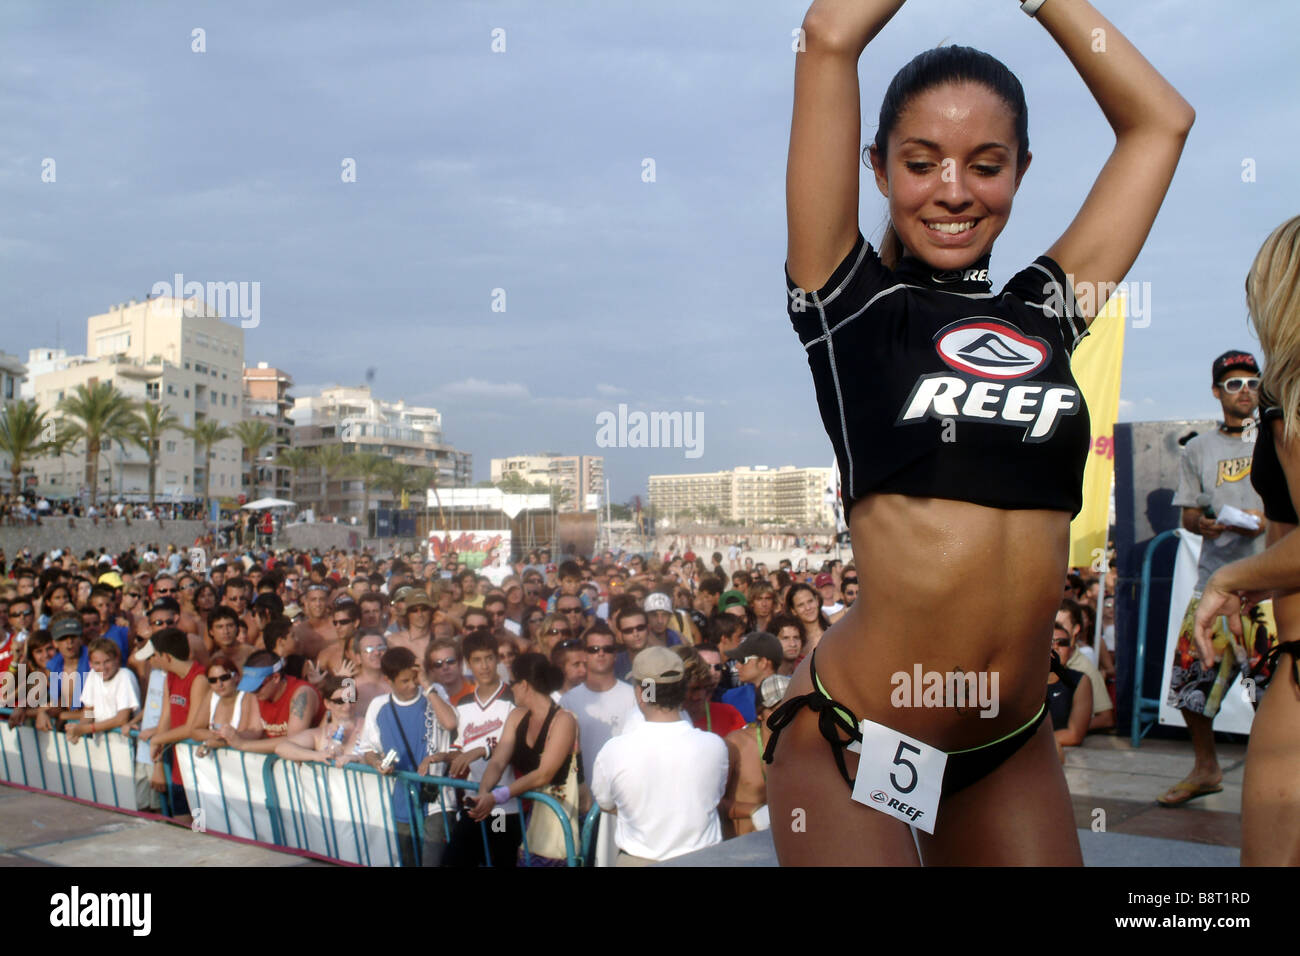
<point>1233,385</point>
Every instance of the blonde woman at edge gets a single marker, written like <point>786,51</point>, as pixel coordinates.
<point>1270,799</point>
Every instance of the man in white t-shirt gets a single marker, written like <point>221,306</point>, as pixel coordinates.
<point>662,777</point>
<point>603,703</point>
<point>111,694</point>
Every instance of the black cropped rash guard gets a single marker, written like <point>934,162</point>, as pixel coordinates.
<point>1266,474</point>
<point>931,385</point>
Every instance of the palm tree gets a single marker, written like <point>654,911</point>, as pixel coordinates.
<point>371,469</point>
<point>152,421</point>
<point>22,436</point>
<point>254,435</point>
<point>297,460</point>
<point>331,460</point>
<point>99,414</point>
<point>206,433</point>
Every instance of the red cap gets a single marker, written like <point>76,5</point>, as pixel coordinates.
<point>824,579</point>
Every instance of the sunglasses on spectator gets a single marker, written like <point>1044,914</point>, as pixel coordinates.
<point>343,622</point>
<point>340,701</point>
<point>1233,385</point>
<point>555,631</point>
<point>634,630</point>
<point>164,623</point>
<point>22,613</point>
<point>189,587</point>
<point>220,678</point>
<point>1061,641</point>
<point>375,650</point>
<point>571,642</point>
<point>164,590</point>
<point>599,648</point>
<point>445,662</point>
<point>570,610</point>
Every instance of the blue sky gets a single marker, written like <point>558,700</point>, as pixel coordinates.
<point>522,171</point>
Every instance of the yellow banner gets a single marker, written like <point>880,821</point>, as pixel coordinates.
<point>1096,365</point>
<point>406,501</point>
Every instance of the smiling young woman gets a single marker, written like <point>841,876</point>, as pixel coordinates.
<point>958,427</point>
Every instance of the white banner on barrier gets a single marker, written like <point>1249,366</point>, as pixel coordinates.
<point>342,814</point>
<point>100,769</point>
<point>324,809</point>
<point>1235,713</point>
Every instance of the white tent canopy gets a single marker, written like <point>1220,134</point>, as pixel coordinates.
<point>261,504</point>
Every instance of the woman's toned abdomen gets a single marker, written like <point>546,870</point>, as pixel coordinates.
<point>948,587</point>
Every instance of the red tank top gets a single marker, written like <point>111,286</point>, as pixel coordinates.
<point>179,698</point>
<point>6,652</point>
<point>275,713</point>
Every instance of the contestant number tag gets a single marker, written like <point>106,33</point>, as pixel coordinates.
<point>900,776</point>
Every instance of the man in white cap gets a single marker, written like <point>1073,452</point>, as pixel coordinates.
<point>661,776</point>
<point>658,609</point>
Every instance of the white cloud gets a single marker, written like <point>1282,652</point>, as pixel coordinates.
<point>478,388</point>
<point>610,390</point>
<point>1125,405</point>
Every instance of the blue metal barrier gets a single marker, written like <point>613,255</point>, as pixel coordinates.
<point>290,803</point>
<point>590,826</point>
<point>1145,706</point>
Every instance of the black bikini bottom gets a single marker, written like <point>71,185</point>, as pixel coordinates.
<point>840,728</point>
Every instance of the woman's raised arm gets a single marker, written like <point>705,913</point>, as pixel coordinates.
<point>821,182</point>
<point>1151,122</point>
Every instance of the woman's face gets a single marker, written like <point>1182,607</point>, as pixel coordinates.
<point>42,655</point>
<point>952,161</point>
<point>58,601</point>
<point>224,681</point>
<point>806,606</point>
<point>205,599</point>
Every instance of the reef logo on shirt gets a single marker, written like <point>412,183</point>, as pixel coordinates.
<point>1233,469</point>
<point>989,348</point>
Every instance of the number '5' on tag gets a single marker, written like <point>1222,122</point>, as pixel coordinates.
<point>900,776</point>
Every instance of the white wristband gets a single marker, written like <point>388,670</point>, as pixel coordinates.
<point>1031,6</point>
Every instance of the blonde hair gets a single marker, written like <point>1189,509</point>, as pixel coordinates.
<point>1273,297</point>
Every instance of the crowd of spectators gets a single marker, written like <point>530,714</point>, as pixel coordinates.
<point>638,683</point>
